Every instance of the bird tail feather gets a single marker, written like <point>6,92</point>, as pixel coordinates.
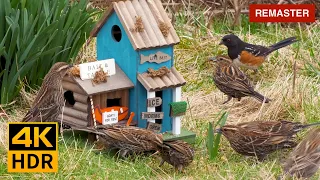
<point>312,124</point>
<point>281,44</point>
<point>260,97</point>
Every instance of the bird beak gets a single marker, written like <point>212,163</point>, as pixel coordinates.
<point>214,59</point>
<point>221,43</point>
<point>218,131</point>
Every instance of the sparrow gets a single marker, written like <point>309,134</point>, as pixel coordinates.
<point>304,160</point>
<point>49,100</point>
<point>128,140</point>
<point>230,80</point>
<point>248,55</point>
<point>177,153</point>
<point>255,143</point>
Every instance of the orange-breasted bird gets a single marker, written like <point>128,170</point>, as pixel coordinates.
<point>248,55</point>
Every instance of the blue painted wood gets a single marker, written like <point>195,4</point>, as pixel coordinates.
<point>129,61</point>
<point>123,53</point>
<point>144,67</point>
<point>167,120</point>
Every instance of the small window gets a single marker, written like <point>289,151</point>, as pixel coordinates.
<point>116,33</point>
<point>113,102</point>
<point>68,96</point>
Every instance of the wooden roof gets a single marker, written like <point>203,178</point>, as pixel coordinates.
<point>151,13</point>
<point>170,80</point>
<point>115,82</point>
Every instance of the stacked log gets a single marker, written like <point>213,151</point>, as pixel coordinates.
<point>76,115</point>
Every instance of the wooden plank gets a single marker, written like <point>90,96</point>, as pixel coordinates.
<point>155,127</point>
<point>80,98</point>
<point>178,75</point>
<point>118,94</point>
<point>72,87</point>
<point>167,81</point>
<point>75,113</point>
<point>127,22</point>
<point>103,100</point>
<point>74,122</point>
<point>152,115</point>
<point>133,13</point>
<point>96,100</point>
<point>111,95</point>
<point>154,102</point>
<point>125,98</point>
<point>153,23</point>
<point>159,82</point>
<point>154,41</point>
<point>155,11</point>
<point>80,107</point>
<point>166,19</point>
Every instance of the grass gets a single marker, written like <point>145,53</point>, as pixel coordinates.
<point>79,160</point>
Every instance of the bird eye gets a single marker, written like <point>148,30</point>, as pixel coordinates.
<point>228,40</point>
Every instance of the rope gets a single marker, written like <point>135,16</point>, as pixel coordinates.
<point>94,116</point>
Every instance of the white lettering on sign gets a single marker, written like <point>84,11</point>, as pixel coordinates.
<point>154,102</point>
<point>158,57</point>
<point>110,117</point>
<point>88,70</point>
<point>152,115</point>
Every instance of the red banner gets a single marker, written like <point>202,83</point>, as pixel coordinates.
<point>282,13</point>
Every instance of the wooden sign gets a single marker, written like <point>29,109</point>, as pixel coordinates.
<point>155,127</point>
<point>154,102</point>
<point>159,57</point>
<point>152,115</point>
<point>110,117</point>
<point>88,70</point>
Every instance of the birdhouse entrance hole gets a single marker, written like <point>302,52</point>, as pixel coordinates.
<point>116,33</point>
<point>68,96</point>
<point>113,102</point>
<point>159,108</point>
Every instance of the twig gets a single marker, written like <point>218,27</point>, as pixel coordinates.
<point>294,77</point>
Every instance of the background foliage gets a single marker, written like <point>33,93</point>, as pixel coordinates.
<point>34,34</point>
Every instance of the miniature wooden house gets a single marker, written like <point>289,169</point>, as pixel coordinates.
<point>135,50</point>
<point>79,93</point>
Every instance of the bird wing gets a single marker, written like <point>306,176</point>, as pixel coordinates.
<point>256,50</point>
<point>43,106</point>
<point>265,138</point>
<point>181,147</point>
<point>233,78</point>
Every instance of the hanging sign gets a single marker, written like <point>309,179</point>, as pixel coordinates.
<point>158,57</point>
<point>152,115</point>
<point>155,127</point>
<point>154,102</point>
<point>110,117</point>
<point>88,70</point>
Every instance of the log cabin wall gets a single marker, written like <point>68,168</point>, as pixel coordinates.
<point>75,114</point>
<point>101,99</point>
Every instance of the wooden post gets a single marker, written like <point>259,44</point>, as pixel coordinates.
<point>93,115</point>
<point>176,121</point>
<point>151,109</point>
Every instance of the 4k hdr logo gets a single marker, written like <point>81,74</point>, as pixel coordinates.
<point>33,147</point>
<point>282,13</point>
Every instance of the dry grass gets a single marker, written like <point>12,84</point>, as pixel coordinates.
<point>274,80</point>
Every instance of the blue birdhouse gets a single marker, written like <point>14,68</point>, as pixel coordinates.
<point>139,35</point>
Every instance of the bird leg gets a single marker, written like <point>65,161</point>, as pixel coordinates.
<point>229,98</point>
<point>255,71</point>
<point>162,162</point>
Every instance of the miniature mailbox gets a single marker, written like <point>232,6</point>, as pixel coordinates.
<point>139,36</point>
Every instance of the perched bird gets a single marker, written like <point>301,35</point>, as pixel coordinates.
<point>177,153</point>
<point>283,127</point>
<point>304,160</point>
<point>255,143</point>
<point>49,100</point>
<point>232,81</point>
<point>127,139</point>
<point>249,55</point>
